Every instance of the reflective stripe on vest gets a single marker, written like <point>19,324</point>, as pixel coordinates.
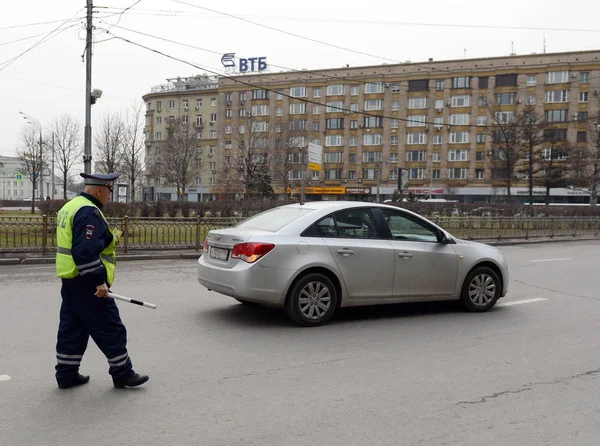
<point>65,265</point>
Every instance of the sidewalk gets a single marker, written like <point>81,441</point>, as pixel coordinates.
<point>32,258</point>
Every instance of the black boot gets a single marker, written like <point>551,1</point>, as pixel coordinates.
<point>77,381</point>
<point>133,381</point>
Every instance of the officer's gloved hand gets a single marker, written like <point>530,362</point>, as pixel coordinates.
<point>117,234</point>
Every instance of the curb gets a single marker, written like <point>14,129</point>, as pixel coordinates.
<point>37,261</point>
<point>10,261</point>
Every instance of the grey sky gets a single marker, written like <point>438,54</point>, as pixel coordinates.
<point>50,79</point>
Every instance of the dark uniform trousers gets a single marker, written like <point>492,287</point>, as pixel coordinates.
<point>83,315</point>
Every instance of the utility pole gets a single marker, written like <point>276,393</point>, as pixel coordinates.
<point>41,166</point>
<point>52,195</point>
<point>87,143</point>
<point>304,170</point>
<point>378,180</point>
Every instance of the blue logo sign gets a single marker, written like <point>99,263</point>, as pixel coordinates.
<point>250,64</point>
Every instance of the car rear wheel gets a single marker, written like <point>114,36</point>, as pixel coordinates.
<point>312,300</point>
<point>481,290</point>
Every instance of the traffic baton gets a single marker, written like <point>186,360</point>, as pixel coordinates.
<point>132,301</point>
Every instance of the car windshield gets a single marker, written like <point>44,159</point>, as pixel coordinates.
<point>275,219</point>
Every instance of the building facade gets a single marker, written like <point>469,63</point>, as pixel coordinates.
<point>14,183</point>
<point>427,120</point>
<point>194,101</point>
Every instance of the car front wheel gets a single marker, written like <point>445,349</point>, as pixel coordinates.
<point>312,300</point>
<point>481,290</point>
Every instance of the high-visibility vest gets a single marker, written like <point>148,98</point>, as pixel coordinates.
<point>65,265</point>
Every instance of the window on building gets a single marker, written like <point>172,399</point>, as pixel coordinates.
<point>531,80</point>
<point>417,103</point>
<point>394,140</point>
<point>506,80</point>
<point>480,156</point>
<point>354,90</point>
<point>229,113</point>
<point>461,82</point>
<point>372,139</point>
<point>459,119</point>
<point>316,126</point>
<point>335,90</point>
<point>260,110</point>
<point>459,137</point>
<point>298,92</point>
<point>334,157</point>
<point>439,85</point>
<point>505,98</point>
<point>556,115</point>
<point>371,157</point>
<point>458,155</point>
<point>374,87</point>
<point>463,100</point>
<point>335,107</point>
<point>416,138</point>
<point>213,102</point>
<point>353,124</point>
<point>457,173</point>
<point>353,107</point>
<point>260,94</point>
<point>557,96</point>
<point>373,104</point>
<point>316,109</point>
<point>581,136</point>
<point>334,123</point>
<point>584,77</point>
<point>437,139</point>
<point>557,77</point>
<point>395,105</point>
<point>583,96</point>
<point>439,104</point>
<point>416,121</point>
<point>298,108</point>
<point>416,173</point>
<point>481,138</point>
<point>316,92</point>
<point>479,174</point>
<point>483,83</point>
<point>418,85</point>
<point>531,99</point>
<point>334,140</point>
<point>373,122</point>
<point>414,156</point>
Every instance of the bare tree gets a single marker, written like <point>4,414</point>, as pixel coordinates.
<point>109,140</point>
<point>584,163</point>
<point>251,147</point>
<point>177,161</point>
<point>30,154</point>
<point>288,155</point>
<point>553,163</point>
<point>133,147</point>
<point>66,134</point>
<point>507,145</point>
<point>531,127</point>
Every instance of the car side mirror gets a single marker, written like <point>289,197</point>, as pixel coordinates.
<point>442,238</point>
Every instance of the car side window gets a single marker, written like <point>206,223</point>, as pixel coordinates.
<point>356,223</point>
<point>327,227</point>
<point>406,227</point>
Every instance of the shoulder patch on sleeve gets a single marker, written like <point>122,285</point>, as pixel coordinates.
<point>97,212</point>
<point>89,231</point>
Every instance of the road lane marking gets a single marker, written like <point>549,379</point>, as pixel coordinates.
<point>4,378</point>
<point>520,302</point>
<point>551,260</point>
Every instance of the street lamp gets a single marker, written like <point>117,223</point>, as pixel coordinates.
<point>33,121</point>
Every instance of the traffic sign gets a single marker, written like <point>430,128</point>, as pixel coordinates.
<point>19,176</point>
<point>315,156</point>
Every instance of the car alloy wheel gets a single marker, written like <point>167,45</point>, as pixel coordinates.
<point>481,289</point>
<point>312,300</point>
<point>315,300</point>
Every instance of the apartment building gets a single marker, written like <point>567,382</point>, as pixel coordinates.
<point>425,118</point>
<point>194,101</point>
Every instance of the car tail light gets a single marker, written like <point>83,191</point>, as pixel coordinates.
<point>205,245</point>
<point>251,252</point>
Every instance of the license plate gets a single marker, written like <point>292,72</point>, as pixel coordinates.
<point>218,253</point>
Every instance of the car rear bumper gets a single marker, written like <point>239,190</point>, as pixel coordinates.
<point>245,281</point>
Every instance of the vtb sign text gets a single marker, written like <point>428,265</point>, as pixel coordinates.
<point>245,64</point>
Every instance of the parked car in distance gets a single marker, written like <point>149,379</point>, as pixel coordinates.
<point>316,257</point>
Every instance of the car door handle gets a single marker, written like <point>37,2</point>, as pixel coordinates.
<point>405,255</point>
<point>345,252</point>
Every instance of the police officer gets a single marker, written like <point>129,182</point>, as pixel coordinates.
<point>85,261</point>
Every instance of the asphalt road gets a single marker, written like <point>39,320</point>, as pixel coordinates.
<point>225,374</point>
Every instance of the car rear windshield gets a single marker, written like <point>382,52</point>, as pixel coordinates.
<point>274,219</point>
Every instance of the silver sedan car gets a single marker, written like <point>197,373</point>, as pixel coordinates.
<point>313,258</point>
